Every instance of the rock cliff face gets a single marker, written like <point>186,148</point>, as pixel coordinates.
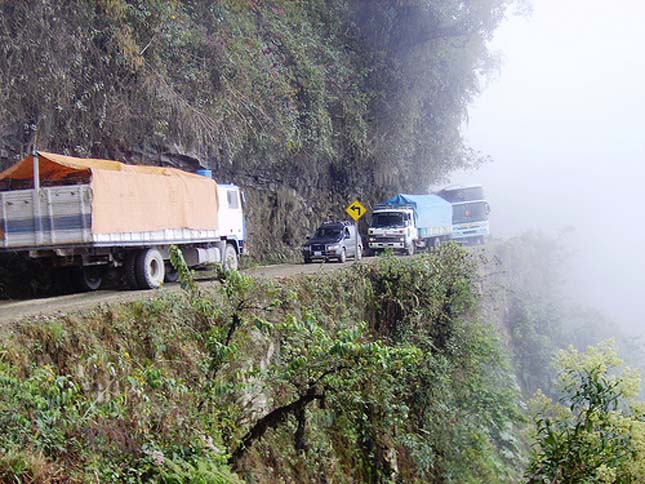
<point>305,104</point>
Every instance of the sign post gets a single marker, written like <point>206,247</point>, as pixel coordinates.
<point>356,210</point>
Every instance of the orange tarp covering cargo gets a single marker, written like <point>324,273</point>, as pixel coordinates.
<point>128,198</point>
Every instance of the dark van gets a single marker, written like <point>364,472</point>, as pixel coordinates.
<point>333,240</point>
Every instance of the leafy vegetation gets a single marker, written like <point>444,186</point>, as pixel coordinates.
<point>377,374</point>
<point>596,433</point>
<point>587,422</point>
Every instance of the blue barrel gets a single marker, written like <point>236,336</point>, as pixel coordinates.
<point>206,173</point>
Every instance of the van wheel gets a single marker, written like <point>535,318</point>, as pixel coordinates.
<point>88,278</point>
<point>149,269</point>
<point>343,256</point>
<point>230,258</point>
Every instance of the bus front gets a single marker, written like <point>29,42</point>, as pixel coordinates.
<point>470,222</point>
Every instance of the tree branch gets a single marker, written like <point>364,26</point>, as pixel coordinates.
<point>272,420</point>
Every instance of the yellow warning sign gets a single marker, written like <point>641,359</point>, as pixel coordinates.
<point>356,210</point>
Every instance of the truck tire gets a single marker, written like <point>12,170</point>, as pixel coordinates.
<point>129,269</point>
<point>230,258</point>
<point>343,256</point>
<point>171,274</point>
<point>88,278</point>
<point>149,269</point>
<point>409,250</point>
<point>436,242</point>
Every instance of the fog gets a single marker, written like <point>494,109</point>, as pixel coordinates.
<point>564,124</point>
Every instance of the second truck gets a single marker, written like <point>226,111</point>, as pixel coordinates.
<point>406,223</point>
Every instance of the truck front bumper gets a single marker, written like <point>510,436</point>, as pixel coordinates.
<point>387,245</point>
<point>386,242</point>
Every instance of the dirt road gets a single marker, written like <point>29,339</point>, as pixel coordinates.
<point>16,310</point>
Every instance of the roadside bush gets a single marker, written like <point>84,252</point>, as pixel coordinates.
<point>596,432</point>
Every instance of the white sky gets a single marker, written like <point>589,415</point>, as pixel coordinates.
<point>564,122</point>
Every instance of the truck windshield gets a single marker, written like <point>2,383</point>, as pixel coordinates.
<point>388,220</point>
<point>327,233</point>
<point>469,212</point>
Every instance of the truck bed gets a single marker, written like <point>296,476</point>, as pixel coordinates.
<point>61,216</point>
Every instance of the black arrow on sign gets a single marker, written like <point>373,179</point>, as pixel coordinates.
<point>356,209</point>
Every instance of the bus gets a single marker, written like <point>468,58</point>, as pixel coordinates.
<point>469,213</point>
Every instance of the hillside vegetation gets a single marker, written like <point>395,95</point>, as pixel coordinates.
<point>306,104</point>
<point>379,373</point>
<point>401,370</point>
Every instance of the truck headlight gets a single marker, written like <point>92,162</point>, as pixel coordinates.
<point>332,247</point>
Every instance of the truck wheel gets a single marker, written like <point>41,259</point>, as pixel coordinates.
<point>343,256</point>
<point>129,269</point>
<point>307,260</point>
<point>409,250</point>
<point>171,274</point>
<point>88,278</point>
<point>230,258</point>
<point>149,269</point>
<point>436,242</point>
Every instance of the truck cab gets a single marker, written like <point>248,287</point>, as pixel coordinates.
<point>232,225</point>
<point>393,227</point>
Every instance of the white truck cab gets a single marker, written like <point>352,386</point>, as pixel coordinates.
<point>230,215</point>
<point>393,228</point>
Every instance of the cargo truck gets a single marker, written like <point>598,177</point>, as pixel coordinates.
<point>89,215</point>
<point>406,223</point>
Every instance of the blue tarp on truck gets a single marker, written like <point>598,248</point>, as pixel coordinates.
<point>432,211</point>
